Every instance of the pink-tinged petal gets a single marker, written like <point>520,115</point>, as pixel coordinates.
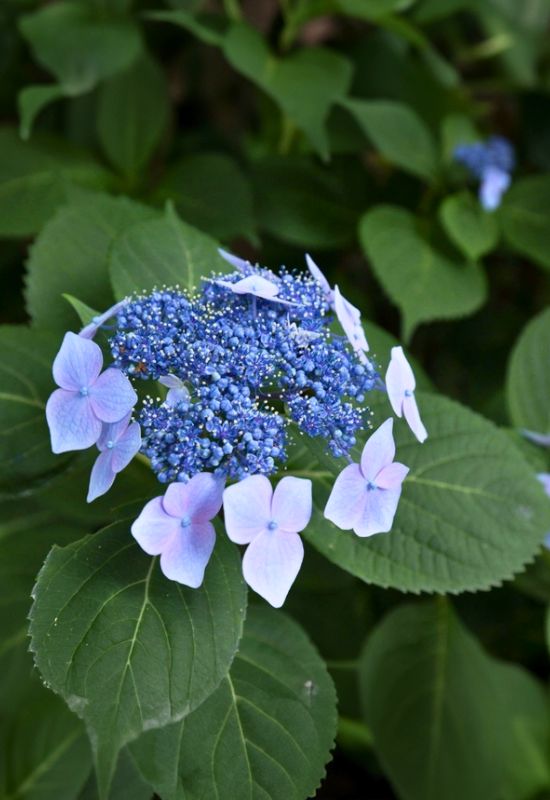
<point>378,452</point>
<point>544,478</point>
<point>112,396</point>
<point>378,512</point>
<point>239,263</point>
<point>185,557</point>
<point>247,508</point>
<point>399,379</point>
<point>77,364</point>
<point>347,498</point>
<point>493,185</point>
<point>90,330</point>
<point>257,286</point>
<point>412,415</point>
<point>271,563</point>
<point>291,505</point>
<point>126,447</point>
<point>200,499</point>
<point>72,422</point>
<point>112,431</point>
<point>319,277</point>
<point>154,528</point>
<point>541,439</point>
<point>102,476</point>
<point>349,318</point>
<point>392,476</point>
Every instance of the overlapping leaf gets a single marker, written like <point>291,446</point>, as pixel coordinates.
<point>528,380</point>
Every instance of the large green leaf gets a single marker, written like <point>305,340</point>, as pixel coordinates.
<point>525,217</point>
<point>126,648</point>
<point>210,191</point>
<point>473,230</point>
<point>70,256</point>
<point>79,45</point>
<point>26,381</point>
<point>266,732</point>
<point>528,379</point>
<point>381,343</point>
<point>305,85</point>
<point>398,133</point>
<point>132,114</point>
<point>471,513</point>
<point>424,283</point>
<point>164,251</point>
<point>449,721</point>
<point>33,180</point>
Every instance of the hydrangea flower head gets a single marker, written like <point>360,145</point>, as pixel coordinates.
<point>268,522</point>
<point>87,397</point>
<point>364,497</point>
<point>492,163</point>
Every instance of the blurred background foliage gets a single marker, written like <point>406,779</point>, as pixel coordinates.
<point>279,128</point>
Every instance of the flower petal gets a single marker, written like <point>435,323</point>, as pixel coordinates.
<point>126,447</point>
<point>291,505</point>
<point>177,390</point>
<point>412,415</point>
<point>239,263</point>
<point>102,476</point>
<point>112,396</point>
<point>392,476</point>
<point>542,439</point>
<point>247,508</point>
<point>399,379</point>
<point>347,498</point>
<point>72,422</point>
<point>154,528</point>
<point>78,363</point>
<point>271,563</point>
<point>186,556</point>
<point>200,498</point>
<point>349,318</point>
<point>494,183</point>
<point>112,431</point>
<point>256,285</point>
<point>378,512</point>
<point>544,478</point>
<point>378,452</point>
<point>319,277</point>
<point>90,330</point>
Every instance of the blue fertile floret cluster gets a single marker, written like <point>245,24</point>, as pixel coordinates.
<point>496,152</point>
<point>248,364</point>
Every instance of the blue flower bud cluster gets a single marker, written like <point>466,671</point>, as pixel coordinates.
<point>250,365</point>
<point>496,152</point>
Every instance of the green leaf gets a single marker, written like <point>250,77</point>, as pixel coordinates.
<point>302,204</point>
<point>424,283</point>
<point>126,648</point>
<point>70,256</point>
<point>449,721</point>
<point>133,112</point>
<point>524,218</point>
<point>266,731</point>
<point>305,85</point>
<point>31,100</point>
<point>127,783</point>
<point>26,381</point>
<point>372,9</point>
<point>33,180</point>
<point>471,513</point>
<point>528,379</point>
<point>44,752</point>
<point>79,45</point>
<point>210,191</point>
<point>381,343</point>
<point>398,133</point>
<point>164,251</point>
<point>209,28</point>
<point>85,313</point>
<point>470,228</point>
<point>457,129</point>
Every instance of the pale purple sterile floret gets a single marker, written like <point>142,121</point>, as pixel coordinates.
<point>256,286</point>
<point>240,264</point>
<point>364,497</point>
<point>542,439</point>
<point>177,390</point>
<point>493,184</point>
<point>400,384</point>
<point>118,444</point>
<point>178,527</point>
<point>268,522</point>
<point>90,330</point>
<point>347,314</point>
<point>87,397</point>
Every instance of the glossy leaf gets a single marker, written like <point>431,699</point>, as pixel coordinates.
<point>470,228</point>
<point>471,514</point>
<point>127,649</point>
<point>424,283</point>
<point>528,379</point>
<point>265,732</point>
<point>525,219</point>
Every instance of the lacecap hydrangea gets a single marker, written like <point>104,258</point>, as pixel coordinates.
<point>249,359</point>
<point>492,163</point>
